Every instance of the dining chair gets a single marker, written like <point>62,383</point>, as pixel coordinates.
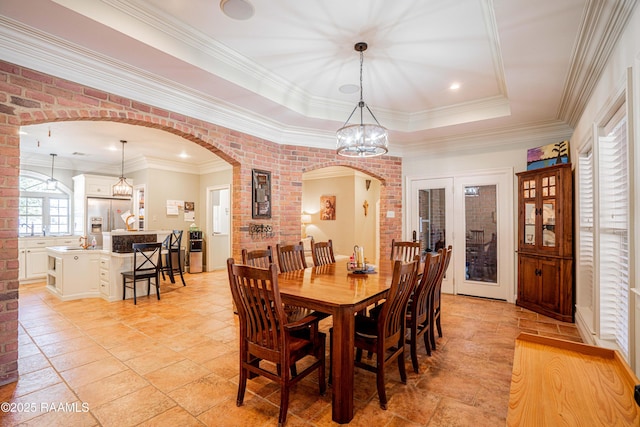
<point>437,292</point>
<point>266,335</point>
<point>171,246</point>
<point>384,335</point>
<point>291,257</point>
<point>418,318</point>
<point>258,257</point>
<point>322,252</point>
<point>147,263</point>
<point>404,251</point>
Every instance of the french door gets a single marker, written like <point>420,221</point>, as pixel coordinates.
<point>473,213</point>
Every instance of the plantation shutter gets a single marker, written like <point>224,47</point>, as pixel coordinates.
<point>614,231</point>
<point>586,224</point>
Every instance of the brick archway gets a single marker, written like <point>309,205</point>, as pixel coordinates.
<point>31,97</point>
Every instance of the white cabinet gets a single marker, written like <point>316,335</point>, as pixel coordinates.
<point>104,273</point>
<point>32,258</point>
<point>73,274</point>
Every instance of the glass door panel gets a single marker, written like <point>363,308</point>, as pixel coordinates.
<point>432,215</point>
<point>549,223</point>
<point>530,224</point>
<point>480,207</point>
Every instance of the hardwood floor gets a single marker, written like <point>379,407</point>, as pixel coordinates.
<point>174,362</point>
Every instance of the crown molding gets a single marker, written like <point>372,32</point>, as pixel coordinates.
<point>521,136</point>
<point>602,25</point>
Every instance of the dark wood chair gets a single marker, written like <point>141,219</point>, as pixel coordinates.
<point>172,256</point>
<point>437,292</point>
<point>404,251</point>
<point>262,258</point>
<point>384,335</point>
<point>419,308</point>
<point>291,257</point>
<point>267,335</point>
<point>147,263</point>
<point>322,252</point>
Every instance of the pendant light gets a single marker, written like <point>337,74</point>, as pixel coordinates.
<point>362,140</point>
<point>52,183</point>
<point>122,188</point>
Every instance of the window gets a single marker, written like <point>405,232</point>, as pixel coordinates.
<point>42,210</point>
<point>613,230</point>
<point>586,230</point>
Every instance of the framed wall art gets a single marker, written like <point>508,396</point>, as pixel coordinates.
<point>261,194</point>
<point>328,208</point>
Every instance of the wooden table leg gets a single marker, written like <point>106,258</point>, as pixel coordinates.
<point>343,343</point>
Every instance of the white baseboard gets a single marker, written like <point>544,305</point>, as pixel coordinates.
<point>587,335</point>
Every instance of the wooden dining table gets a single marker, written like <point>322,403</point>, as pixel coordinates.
<point>334,290</point>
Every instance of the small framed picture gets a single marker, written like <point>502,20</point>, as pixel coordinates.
<point>328,208</point>
<point>261,194</point>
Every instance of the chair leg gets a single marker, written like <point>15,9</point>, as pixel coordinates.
<point>242,385</point>
<point>382,395</point>
<point>170,266</point>
<point>284,404</point>
<point>134,290</point>
<point>414,349</point>
<point>180,269</point>
<point>439,326</point>
<point>427,346</point>
<point>401,366</point>
<point>181,276</point>
<point>124,288</point>
<point>158,286</point>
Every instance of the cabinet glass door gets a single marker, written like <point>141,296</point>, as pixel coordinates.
<point>548,193</point>
<point>530,224</point>
<point>530,213</point>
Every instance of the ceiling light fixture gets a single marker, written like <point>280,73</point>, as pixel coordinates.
<point>237,9</point>
<point>122,188</point>
<point>362,140</point>
<point>52,183</point>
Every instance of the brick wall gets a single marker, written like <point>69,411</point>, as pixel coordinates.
<point>29,97</point>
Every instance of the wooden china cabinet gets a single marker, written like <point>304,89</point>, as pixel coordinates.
<point>545,241</point>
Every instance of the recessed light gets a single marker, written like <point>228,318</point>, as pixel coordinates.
<point>183,155</point>
<point>237,9</point>
<point>454,86</point>
<point>349,88</point>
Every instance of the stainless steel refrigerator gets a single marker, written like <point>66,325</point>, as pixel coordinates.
<point>105,215</point>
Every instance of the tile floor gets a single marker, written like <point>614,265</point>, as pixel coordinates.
<point>173,362</point>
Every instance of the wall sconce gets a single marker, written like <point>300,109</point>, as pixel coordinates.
<point>367,184</point>
<point>305,219</point>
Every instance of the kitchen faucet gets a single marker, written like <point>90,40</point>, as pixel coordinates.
<point>27,226</point>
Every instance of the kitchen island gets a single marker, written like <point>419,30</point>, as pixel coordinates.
<point>74,272</point>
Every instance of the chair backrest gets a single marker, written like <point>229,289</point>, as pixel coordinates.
<point>172,241</point>
<point>322,252</point>
<point>147,257</point>
<point>176,239</point>
<point>391,322</point>
<point>404,251</point>
<point>291,257</point>
<point>421,301</point>
<point>444,264</point>
<point>476,237</point>
<point>257,298</point>
<point>262,258</point>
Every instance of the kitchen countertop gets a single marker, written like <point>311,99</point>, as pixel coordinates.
<point>74,249</point>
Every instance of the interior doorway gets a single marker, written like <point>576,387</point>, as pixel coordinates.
<point>218,241</point>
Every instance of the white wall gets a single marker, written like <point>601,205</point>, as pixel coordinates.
<point>625,56</point>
